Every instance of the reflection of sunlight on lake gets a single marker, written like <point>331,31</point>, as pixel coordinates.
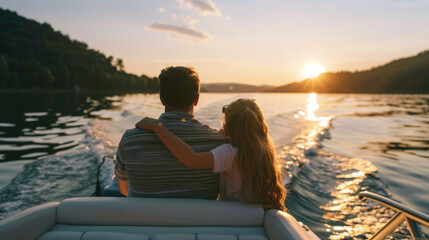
<point>347,216</point>
<point>310,113</point>
<point>312,106</point>
<point>307,143</point>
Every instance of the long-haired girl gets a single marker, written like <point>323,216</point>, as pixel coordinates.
<point>248,166</point>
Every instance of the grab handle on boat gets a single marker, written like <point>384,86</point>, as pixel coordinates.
<point>98,183</point>
<point>403,213</point>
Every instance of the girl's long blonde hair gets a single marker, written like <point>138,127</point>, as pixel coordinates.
<point>256,158</point>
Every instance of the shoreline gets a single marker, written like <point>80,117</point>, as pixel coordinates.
<point>106,91</point>
<point>81,91</point>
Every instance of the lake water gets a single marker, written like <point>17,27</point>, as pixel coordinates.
<point>332,146</point>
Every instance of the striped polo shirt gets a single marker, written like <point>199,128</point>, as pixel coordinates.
<point>153,171</point>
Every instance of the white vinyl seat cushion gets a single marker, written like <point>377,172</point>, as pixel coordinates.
<point>113,236</point>
<point>110,218</point>
<point>158,212</point>
<point>63,235</point>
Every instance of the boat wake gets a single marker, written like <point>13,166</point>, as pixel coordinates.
<point>323,187</point>
<point>70,174</point>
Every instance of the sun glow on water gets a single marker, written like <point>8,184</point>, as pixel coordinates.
<point>312,106</point>
<point>312,70</point>
<point>310,112</point>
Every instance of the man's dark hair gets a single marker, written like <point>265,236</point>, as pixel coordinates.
<point>179,86</point>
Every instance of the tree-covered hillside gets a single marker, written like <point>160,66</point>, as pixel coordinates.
<point>33,55</point>
<point>406,75</point>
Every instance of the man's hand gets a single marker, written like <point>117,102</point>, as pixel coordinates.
<point>148,123</point>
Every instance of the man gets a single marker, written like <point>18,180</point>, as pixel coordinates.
<point>145,168</point>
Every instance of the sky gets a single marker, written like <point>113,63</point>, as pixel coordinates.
<point>243,41</point>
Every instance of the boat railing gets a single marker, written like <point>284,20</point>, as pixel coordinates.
<point>403,213</point>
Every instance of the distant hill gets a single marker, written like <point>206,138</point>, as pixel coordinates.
<point>234,87</point>
<point>405,75</point>
<point>34,55</point>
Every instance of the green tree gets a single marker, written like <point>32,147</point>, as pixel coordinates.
<point>110,60</point>
<point>120,64</point>
<point>47,77</point>
<point>4,72</point>
<point>3,64</point>
<point>35,55</point>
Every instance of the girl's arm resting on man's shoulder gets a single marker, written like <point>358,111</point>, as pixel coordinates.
<point>180,149</point>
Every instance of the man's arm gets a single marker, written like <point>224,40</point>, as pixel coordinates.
<point>120,171</point>
<point>123,187</point>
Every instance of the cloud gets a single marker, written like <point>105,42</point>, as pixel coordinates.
<point>205,8</point>
<point>161,10</point>
<point>189,20</point>
<point>173,16</point>
<point>185,33</point>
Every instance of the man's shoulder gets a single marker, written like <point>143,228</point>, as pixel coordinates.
<point>183,125</point>
<point>137,134</point>
<point>191,126</point>
<point>137,131</point>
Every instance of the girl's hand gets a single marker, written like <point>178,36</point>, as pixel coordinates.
<point>222,131</point>
<point>148,123</point>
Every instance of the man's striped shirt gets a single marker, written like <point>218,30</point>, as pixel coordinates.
<point>153,171</point>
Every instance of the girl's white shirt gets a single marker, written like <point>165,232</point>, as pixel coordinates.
<point>230,177</point>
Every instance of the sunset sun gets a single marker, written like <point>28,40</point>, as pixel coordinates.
<point>312,70</point>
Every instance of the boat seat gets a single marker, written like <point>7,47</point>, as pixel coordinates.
<point>108,218</point>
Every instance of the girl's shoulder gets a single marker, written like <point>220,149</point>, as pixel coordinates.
<point>223,156</point>
<point>226,147</point>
